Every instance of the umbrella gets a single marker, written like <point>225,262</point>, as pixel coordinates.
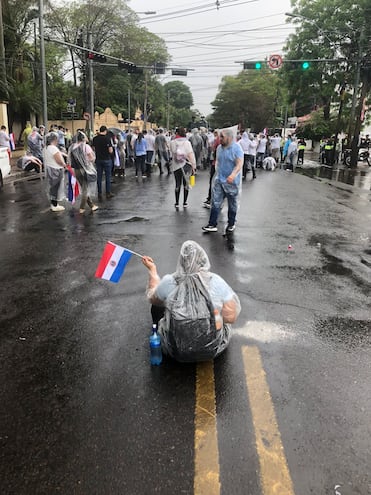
<point>115,130</point>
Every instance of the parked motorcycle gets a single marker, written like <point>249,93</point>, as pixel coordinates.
<point>363,156</point>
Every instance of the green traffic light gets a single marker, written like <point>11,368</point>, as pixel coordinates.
<point>305,65</point>
<point>258,65</point>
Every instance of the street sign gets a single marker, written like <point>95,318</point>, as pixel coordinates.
<point>275,61</point>
<point>86,116</point>
<point>69,115</point>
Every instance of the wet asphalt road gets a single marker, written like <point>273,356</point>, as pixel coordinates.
<point>82,411</point>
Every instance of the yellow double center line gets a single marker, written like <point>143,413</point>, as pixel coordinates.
<point>274,472</point>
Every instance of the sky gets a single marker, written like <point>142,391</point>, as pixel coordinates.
<point>209,41</point>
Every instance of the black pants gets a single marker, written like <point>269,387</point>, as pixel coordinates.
<point>179,180</point>
<point>157,312</point>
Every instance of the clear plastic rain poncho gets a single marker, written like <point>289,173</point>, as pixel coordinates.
<point>78,158</point>
<point>189,329</point>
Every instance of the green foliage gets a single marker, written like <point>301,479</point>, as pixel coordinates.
<point>326,29</point>
<point>179,94</point>
<point>317,127</point>
<point>250,99</point>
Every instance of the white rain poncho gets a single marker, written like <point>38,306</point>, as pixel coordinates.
<point>190,330</point>
<point>77,157</point>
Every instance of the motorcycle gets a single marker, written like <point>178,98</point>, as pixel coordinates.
<point>363,156</point>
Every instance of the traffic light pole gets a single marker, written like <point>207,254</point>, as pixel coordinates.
<point>91,86</point>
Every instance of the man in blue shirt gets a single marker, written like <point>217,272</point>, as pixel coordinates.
<point>227,183</point>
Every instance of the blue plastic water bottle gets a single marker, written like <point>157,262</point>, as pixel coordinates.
<point>155,346</point>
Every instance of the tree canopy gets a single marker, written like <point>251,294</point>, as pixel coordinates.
<point>250,98</point>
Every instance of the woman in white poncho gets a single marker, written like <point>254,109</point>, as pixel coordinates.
<point>54,171</point>
<point>193,307</point>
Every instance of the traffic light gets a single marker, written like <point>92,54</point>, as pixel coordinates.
<point>159,68</point>
<point>131,68</point>
<point>178,72</point>
<point>305,65</point>
<point>252,65</point>
<point>97,57</point>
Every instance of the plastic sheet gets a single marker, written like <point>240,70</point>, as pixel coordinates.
<point>189,328</point>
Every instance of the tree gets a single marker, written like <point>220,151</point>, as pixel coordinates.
<point>115,32</point>
<point>345,38</point>
<point>250,99</point>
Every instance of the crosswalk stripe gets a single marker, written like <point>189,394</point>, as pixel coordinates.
<point>206,479</point>
<point>274,472</point>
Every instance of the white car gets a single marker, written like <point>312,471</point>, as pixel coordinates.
<point>4,164</point>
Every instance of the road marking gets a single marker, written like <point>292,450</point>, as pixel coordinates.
<point>274,471</point>
<point>206,479</point>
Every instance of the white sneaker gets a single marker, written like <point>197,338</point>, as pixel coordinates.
<point>57,208</point>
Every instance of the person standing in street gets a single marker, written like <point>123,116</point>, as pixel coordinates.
<point>162,148</point>
<point>103,151</point>
<point>244,142</point>
<point>261,149</point>
<point>301,148</point>
<point>81,157</point>
<point>216,142</point>
<point>227,182</point>
<point>292,152</point>
<point>150,142</point>
<point>275,147</point>
<point>54,171</point>
<point>183,164</point>
<point>4,137</point>
<point>35,143</point>
<point>140,153</point>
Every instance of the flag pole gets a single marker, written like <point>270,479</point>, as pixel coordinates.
<point>133,252</point>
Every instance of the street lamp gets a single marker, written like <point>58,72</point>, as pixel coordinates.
<point>320,30</point>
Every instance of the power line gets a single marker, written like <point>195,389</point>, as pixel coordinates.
<point>194,12</point>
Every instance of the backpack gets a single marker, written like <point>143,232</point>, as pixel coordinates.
<point>190,329</point>
<point>180,155</point>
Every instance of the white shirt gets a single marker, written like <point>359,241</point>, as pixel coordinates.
<point>275,142</point>
<point>150,140</point>
<point>49,159</point>
<point>4,139</point>
<point>262,145</point>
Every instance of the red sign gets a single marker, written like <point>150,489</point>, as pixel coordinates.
<point>275,61</point>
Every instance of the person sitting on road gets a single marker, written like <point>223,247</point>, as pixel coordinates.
<point>193,307</point>
<point>28,163</point>
<point>269,163</point>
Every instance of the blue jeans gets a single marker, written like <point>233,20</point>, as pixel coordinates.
<point>221,191</point>
<point>106,166</point>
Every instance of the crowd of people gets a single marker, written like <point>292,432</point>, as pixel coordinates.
<point>229,156</point>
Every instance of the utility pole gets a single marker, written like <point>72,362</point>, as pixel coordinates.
<point>42,60</point>
<point>168,111</point>
<point>129,104</point>
<point>3,81</point>
<point>145,117</point>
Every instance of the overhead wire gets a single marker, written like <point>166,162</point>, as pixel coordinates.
<point>192,12</point>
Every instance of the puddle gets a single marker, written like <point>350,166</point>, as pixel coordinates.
<point>353,177</point>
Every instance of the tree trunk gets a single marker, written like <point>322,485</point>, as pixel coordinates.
<point>357,127</point>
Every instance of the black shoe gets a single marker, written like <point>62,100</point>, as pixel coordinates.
<point>100,197</point>
<point>109,195</point>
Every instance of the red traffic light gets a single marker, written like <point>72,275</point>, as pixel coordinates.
<point>97,57</point>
